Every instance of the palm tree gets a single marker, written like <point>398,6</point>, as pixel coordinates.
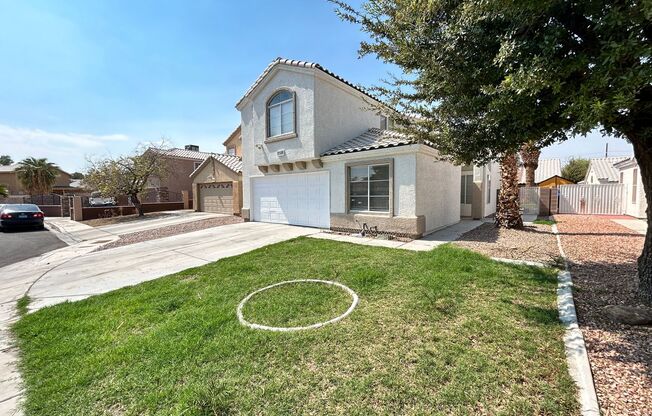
<point>530,155</point>
<point>37,175</point>
<point>3,190</point>
<point>508,211</point>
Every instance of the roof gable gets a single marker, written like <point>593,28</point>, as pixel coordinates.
<point>603,168</point>
<point>233,163</point>
<point>299,64</point>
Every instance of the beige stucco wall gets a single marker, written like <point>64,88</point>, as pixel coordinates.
<point>215,172</point>
<point>437,191</point>
<point>638,207</point>
<point>16,188</point>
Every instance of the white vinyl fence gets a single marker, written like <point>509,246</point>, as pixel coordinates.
<point>529,197</point>
<point>592,199</point>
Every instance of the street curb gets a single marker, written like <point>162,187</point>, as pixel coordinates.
<point>61,235</point>
<point>577,357</point>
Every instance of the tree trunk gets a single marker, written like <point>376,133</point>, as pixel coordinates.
<point>508,211</point>
<point>643,153</point>
<point>530,154</point>
<point>137,204</point>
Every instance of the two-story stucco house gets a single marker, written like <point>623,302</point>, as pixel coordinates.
<point>315,153</point>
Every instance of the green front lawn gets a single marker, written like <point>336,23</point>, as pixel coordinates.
<point>441,332</point>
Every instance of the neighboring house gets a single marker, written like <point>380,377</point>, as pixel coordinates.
<point>629,174</point>
<point>601,170</point>
<point>9,177</point>
<point>181,163</point>
<point>233,143</point>
<point>547,174</point>
<point>217,184</point>
<point>316,154</point>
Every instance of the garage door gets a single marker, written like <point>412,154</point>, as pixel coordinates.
<point>298,199</point>
<point>216,197</point>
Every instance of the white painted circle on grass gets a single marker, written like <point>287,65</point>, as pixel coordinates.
<point>252,325</point>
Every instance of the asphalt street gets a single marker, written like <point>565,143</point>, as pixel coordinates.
<point>20,244</point>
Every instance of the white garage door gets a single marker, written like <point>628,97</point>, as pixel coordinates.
<point>298,199</point>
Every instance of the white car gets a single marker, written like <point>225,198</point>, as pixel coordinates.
<point>97,200</point>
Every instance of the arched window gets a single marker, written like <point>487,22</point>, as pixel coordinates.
<point>280,114</point>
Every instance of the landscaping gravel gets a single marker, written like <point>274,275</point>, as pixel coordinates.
<point>535,242</point>
<point>169,230</point>
<point>602,257</point>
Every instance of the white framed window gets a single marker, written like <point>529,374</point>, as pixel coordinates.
<point>634,185</point>
<point>369,188</point>
<point>230,151</point>
<point>280,114</point>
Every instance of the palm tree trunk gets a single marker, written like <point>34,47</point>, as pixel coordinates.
<point>508,211</point>
<point>530,155</point>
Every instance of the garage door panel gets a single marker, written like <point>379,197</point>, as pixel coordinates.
<point>299,199</point>
<point>216,197</point>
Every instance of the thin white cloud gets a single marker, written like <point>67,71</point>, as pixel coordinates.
<point>65,149</point>
<point>9,135</point>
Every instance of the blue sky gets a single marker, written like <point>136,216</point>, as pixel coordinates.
<point>91,77</point>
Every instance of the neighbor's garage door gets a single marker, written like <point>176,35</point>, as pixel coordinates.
<point>299,199</point>
<point>216,197</point>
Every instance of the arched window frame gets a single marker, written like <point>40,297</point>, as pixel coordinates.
<point>268,106</point>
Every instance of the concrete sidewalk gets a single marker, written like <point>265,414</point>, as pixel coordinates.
<point>443,236</point>
<point>635,224</point>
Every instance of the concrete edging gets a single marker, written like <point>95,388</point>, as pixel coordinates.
<point>576,354</point>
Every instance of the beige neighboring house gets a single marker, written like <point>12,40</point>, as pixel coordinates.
<point>602,170</point>
<point>181,163</point>
<point>9,177</point>
<point>217,185</point>
<point>233,143</point>
<point>629,174</point>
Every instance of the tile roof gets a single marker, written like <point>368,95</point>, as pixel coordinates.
<point>604,168</point>
<point>370,140</point>
<point>232,162</point>
<point>183,153</point>
<point>547,169</point>
<point>300,64</point>
<point>9,168</point>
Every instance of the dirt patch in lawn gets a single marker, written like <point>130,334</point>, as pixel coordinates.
<point>170,230</point>
<point>99,222</point>
<point>534,242</point>
<point>602,258</point>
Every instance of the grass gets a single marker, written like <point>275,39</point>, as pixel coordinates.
<point>441,332</point>
<point>22,305</point>
<point>543,221</point>
<point>297,304</point>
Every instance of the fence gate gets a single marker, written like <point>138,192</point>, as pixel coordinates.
<point>529,197</point>
<point>592,199</point>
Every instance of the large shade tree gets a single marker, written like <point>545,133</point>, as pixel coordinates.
<point>128,175</point>
<point>575,169</point>
<point>5,160</point>
<point>37,175</point>
<point>484,78</point>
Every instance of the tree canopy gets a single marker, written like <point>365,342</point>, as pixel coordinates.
<point>575,169</point>
<point>127,175</point>
<point>6,160</point>
<point>37,175</point>
<point>480,79</point>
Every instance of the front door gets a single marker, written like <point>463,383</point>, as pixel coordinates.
<point>466,194</point>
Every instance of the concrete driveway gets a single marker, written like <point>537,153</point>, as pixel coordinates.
<point>107,270</point>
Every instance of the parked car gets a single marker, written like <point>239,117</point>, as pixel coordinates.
<point>97,200</point>
<point>21,215</point>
